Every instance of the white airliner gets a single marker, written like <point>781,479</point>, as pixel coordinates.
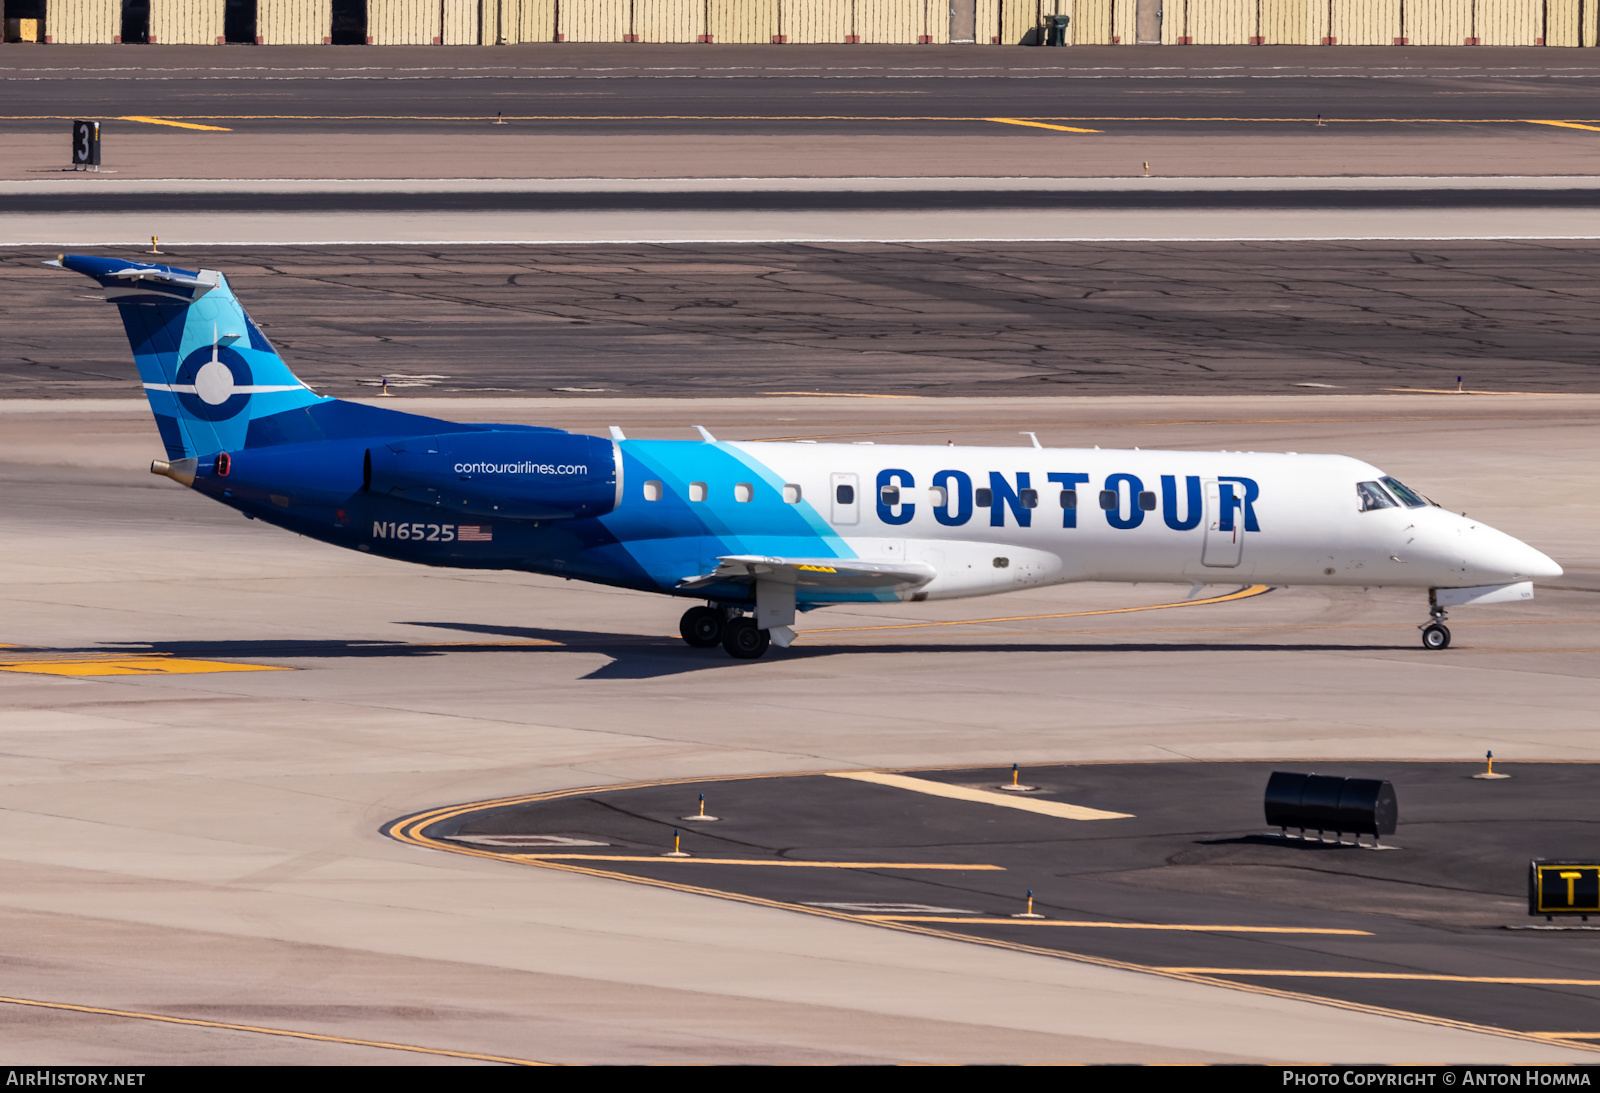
<point>761,531</point>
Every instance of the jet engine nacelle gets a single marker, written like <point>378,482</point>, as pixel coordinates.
<point>511,475</point>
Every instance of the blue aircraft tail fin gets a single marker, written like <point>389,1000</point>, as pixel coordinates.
<point>207,370</point>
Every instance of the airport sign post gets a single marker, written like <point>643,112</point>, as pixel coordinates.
<point>1563,886</point>
<point>86,144</point>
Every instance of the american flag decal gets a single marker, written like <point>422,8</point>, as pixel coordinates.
<point>481,533</point>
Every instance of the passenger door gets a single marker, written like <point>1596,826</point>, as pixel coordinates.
<point>1222,549</point>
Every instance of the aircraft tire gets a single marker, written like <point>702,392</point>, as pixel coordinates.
<point>744,640</point>
<point>1436,636</point>
<point>701,627</point>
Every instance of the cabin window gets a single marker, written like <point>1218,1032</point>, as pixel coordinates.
<point>1029,498</point>
<point>1409,497</point>
<point>743,491</point>
<point>889,495</point>
<point>845,494</point>
<point>938,496</point>
<point>653,491</point>
<point>1069,499</point>
<point>1147,500</point>
<point>1002,563</point>
<point>983,497</point>
<point>1108,500</point>
<point>697,491</point>
<point>791,493</point>
<point>1371,496</point>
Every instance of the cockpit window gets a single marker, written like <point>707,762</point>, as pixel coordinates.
<point>1409,497</point>
<point>1371,496</point>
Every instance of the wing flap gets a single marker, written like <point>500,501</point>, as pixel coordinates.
<point>852,573</point>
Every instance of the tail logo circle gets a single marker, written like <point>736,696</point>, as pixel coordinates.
<point>214,383</point>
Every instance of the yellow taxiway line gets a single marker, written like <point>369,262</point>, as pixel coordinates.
<point>1040,125</point>
<point>1059,809</point>
<point>1564,124</point>
<point>1424,977</point>
<point>1051,120</point>
<point>174,124</point>
<point>1240,594</point>
<point>261,1030</point>
<point>140,664</point>
<point>1086,925</point>
<point>756,861</point>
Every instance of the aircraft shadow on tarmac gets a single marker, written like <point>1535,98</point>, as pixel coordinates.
<point>649,657</point>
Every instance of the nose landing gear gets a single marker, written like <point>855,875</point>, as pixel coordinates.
<point>1435,634</point>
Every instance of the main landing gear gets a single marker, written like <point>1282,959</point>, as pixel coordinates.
<point>706,627</point>
<point>1435,634</point>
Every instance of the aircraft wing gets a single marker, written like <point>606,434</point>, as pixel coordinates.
<point>816,572</point>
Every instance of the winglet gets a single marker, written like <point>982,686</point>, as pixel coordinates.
<point>1035,436</point>
<point>706,435</point>
<point>616,433</point>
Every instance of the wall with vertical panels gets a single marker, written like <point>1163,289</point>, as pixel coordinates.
<point>811,21</point>
<point>733,21</point>
<point>186,22</point>
<point>1010,22</point>
<point>1091,23</point>
<point>530,20</point>
<point>669,20</point>
<point>1438,22</point>
<point>1125,21</point>
<point>1221,22</point>
<point>83,22</point>
<point>458,20</point>
<point>1561,22</point>
<point>594,20</point>
<point>1365,22</point>
<point>1510,22</point>
<point>402,22</point>
<point>891,22</point>
<point>294,22</point>
<point>1289,22</point>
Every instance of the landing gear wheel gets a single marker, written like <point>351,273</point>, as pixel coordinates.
<point>701,627</point>
<point>1435,636</point>
<point>744,640</point>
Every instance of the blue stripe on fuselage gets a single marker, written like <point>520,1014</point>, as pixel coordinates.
<point>675,538</point>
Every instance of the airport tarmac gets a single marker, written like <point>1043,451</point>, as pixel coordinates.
<point>208,724</point>
<point>969,320</point>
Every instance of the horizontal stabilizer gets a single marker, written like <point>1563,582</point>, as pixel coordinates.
<point>836,573</point>
<point>139,282</point>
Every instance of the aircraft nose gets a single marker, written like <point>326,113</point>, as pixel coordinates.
<point>1499,553</point>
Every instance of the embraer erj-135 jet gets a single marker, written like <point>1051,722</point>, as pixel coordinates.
<point>760,531</point>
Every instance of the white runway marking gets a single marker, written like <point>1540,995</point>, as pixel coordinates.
<point>1059,809</point>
